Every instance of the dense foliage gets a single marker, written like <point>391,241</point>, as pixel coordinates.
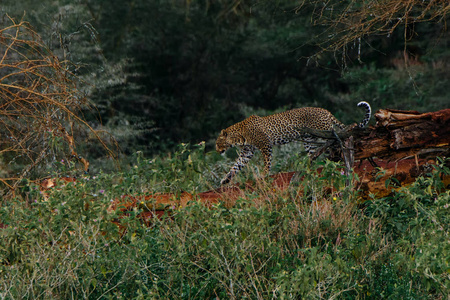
<point>166,72</point>
<point>268,244</point>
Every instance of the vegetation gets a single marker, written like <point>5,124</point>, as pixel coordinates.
<point>39,113</point>
<point>160,79</point>
<point>171,72</point>
<point>269,244</point>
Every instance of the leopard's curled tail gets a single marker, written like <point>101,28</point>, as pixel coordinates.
<point>368,114</point>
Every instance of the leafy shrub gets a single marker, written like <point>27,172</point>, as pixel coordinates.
<point>284,244</point>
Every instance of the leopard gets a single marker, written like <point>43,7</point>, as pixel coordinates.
<point>262,133</point>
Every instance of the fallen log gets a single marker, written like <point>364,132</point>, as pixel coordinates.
<point>400,134</point>
<point>401,147</point>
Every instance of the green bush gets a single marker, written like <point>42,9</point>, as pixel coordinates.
<point>270,244</point>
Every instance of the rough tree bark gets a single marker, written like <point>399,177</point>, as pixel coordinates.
<point>403,144</point>
<point>400,134</point>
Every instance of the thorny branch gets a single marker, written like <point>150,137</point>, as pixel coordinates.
<point>348,23</point>
<point>40,107</point>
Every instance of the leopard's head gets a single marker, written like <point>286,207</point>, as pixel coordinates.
<point>228,138</point>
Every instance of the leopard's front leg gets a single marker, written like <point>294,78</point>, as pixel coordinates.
<point>246,154</point>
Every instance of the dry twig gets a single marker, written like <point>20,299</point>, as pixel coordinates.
<point>40,107</point>
<point>349,22</point>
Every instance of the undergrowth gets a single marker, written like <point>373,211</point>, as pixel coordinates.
<point>313,241</point>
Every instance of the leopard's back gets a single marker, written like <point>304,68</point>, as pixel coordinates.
<point>286,126</point>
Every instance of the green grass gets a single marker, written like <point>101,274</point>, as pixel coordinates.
<point>270,244</point>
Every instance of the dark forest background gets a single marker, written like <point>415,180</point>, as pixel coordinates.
<point>160,73</point>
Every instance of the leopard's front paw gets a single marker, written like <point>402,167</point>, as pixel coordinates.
<point>225,181</point>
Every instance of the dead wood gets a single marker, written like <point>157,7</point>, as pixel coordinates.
<point>401,134</point>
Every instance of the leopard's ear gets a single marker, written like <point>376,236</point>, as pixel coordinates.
<point>223,133</point>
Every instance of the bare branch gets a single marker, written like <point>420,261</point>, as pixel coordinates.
<point>40,107</point>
